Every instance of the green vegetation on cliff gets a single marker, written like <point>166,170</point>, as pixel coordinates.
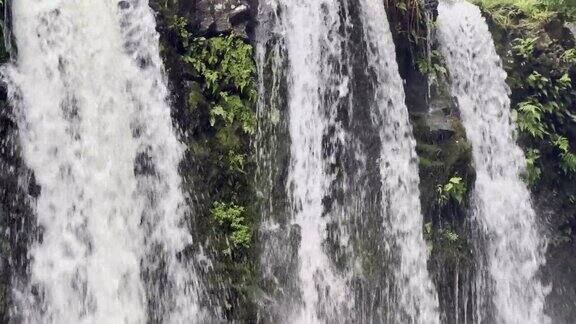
<point>221,97</point>
<point>212,80</point>
<point>408,17</point>
<point>533,7</point>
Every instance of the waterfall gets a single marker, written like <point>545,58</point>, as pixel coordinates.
<point>96,130</point>
<point>416,296</point>
<point>508,287</point>
<point>311,40</point>
<point>352,173</point>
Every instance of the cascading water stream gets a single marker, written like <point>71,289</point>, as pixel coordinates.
<point>310,42</point>
<point>97,133</point>
<point>413,291</point>
<point>508,288</point>
<point>352,166</point>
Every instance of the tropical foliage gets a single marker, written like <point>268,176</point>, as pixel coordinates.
<point>232,220</point>
<point>454,190</point>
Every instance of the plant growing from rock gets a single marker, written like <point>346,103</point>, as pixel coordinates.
<point>533,172</point>
<point>179,26</point>
<point>433,66</point>
<point>227,67</point>
<point>524,47</point>
<point>454,190</point>
<point>231,219</point>
<point>567,158</point>
<point>528,117</point>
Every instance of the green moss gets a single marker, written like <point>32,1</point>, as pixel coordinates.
<point>531,12</point>
<point>214,91</point>
<point>228,139</point>
<point>195,96</point>
<point>428,150</point>
<point>442,156</point>
<point>446,173</point>
<point>429,165</point>
<point>448,245</point>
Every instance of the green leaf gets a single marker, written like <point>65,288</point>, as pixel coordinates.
<point>217,111</point>
<point>455,189</point>
<point>232,221</point>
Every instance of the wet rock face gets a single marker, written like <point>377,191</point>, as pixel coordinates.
<point>221,16</point>
<point>229,279</point>
<point>212,17</point>
<point>572,28</point>
<point>557,29</point>
<point>432,6</point>
<point>17,193</point>
<point>18,189</point>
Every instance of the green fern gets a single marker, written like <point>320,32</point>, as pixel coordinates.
<point>567,158</point>
<point>225,62</point>
<point>528,116</point>
<point>569,56</point>
<point>533,172</point>
<point>524,47</point>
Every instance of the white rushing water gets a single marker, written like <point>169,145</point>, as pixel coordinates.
<point>503,209</point>
<point>97,132</point>
<point>322,59</point>
<point>415,294</point>
<point>309,31</point>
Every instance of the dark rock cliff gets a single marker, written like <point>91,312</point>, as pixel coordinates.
<point>17,189</point>
<point>217,165</point>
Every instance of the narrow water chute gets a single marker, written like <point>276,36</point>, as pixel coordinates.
<point>510,242</point>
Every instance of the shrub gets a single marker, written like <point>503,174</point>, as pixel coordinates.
<point>227,68</point>
<point>231,218</point>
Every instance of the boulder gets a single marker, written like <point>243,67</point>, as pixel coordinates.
<point>572,28</point>
<point>224,16</point>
